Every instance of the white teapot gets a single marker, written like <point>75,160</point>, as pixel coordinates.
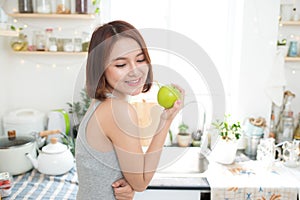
<point>54,159</point>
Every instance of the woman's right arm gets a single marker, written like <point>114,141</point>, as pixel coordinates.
<point>120,124</point>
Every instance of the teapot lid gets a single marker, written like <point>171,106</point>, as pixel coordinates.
<point>54,147</point>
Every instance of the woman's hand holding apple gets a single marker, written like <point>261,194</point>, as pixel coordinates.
<point>171,98</point>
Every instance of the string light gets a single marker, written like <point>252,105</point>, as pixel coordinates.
<point>54,65</point>
<point>293,71</point>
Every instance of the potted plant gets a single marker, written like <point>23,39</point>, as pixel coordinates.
<point>224,150</point>
<point>184,138</point>
<point>78,109</point>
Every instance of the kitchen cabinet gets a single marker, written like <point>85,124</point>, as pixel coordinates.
<point>168,195</point>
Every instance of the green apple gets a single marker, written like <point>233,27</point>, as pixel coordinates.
<point>167,95</point>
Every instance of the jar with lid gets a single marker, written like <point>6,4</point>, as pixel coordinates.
<point>43,6</point>
<point>81,6</point>
<point>63,6</point>
<point>25,6</point>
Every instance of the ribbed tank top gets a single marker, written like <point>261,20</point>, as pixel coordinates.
<point>96,170</point>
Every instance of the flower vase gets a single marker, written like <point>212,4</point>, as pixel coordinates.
<point>224,151</point>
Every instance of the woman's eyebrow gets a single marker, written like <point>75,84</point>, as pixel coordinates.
<point>124,58</point>
<point>119,58</point>
<point>139,54</point>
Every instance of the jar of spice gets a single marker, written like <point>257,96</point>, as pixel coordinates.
<point>63,6</point>
<point>25,6</point>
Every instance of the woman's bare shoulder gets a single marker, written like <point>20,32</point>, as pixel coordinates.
<point>114,114</point>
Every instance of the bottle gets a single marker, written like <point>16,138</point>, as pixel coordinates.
<point>293,49</point>
<point>288,127</point>
<point>48,34</point>
<point>19,43</point>
<point>39,41</point>
<point>272,131</point>
<point>43,6</point>
<point>81,6</point>
<point>297,129</point>
<point>63,6</point>
<point>25,6</point>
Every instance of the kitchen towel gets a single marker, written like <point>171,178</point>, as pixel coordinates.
<point>276,82</point>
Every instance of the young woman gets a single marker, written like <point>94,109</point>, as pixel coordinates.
<point>108,144</point>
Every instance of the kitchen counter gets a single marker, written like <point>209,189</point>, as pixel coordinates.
<point>189,181</point>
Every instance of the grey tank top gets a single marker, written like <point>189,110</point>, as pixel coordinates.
<point>96,170</point>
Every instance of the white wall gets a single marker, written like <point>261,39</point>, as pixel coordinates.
<point>46,88</point>
<point>260,29</point>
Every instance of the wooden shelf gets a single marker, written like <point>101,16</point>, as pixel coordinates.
<point>9,33</point>
<point>53,16</point>
<point>290,23</point>
<point>57,53</point>
<point>292,59</point>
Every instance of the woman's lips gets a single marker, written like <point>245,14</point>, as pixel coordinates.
<point>135,82</point>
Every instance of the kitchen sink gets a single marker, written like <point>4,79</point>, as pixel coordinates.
<point>182,162</point>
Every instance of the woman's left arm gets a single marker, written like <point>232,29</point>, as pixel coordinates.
<point>123,190</point>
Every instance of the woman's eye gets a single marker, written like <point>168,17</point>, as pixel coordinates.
<point>141,60</point>
<point>120,65</point>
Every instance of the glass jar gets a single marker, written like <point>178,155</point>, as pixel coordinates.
<point>25,6</point>
<point>63,6</point>
<point>81,6</point>
<point>52,44</point>
<point>68,45</point>
<point>39,41</point>
<point>19,43</point>
<point>77,44</point>
<point>43,6</point>
<point>85,41</point>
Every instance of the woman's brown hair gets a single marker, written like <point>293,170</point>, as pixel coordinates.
<point>101,44</point>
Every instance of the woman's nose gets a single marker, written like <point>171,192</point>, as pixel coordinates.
<point>133,69</point>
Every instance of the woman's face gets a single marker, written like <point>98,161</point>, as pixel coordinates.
<point>127,69</point>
